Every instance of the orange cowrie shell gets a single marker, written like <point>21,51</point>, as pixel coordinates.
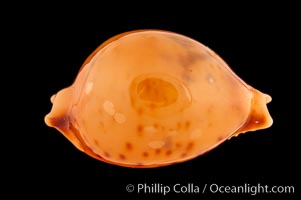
<point>151,98</point>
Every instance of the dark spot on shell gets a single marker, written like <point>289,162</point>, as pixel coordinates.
<point>128,146</point>
<point>184,154</point>
<point>219,138</point>
<point>145,154</point>
<point>152,106</point>
<point>189,146</point>
<point>106,154</point>
<point>158,151</point>
<point>96,143</point>
<point>139,129</point>
<point>156,125</point>
<point>122,156</point>
<point>187,124</point>
<point>178,145</point>
<point>140,111</point>
<point>168,152</point>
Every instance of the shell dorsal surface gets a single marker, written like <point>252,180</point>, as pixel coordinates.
<point>152,98</point>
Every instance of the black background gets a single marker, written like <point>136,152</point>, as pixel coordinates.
<point>48,46</point>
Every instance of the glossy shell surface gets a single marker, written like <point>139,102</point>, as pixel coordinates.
<point>151,98</point>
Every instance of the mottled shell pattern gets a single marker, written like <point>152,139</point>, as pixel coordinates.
<point>151,98</point>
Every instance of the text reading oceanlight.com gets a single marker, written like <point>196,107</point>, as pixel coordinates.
<point>191,188</point>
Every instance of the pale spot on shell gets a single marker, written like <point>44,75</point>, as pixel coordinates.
<point>210,79</point>
<point>150,129</point>
<point>120,118</point>
<point>156,144</point>
<point>196,134</point>
<point>109,107</point>
<point>89,87</point>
